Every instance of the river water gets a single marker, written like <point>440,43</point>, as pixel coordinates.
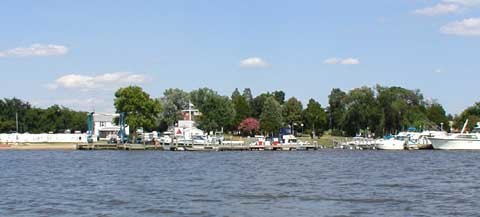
<point>316,183</point>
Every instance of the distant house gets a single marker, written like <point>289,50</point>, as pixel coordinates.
<point>105,127</point>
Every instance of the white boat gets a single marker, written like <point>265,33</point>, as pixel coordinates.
<point>422,140</point>
<point>459,141</point>
<point>397,142</point>
<point>390,144</point>
<point>290,142</point>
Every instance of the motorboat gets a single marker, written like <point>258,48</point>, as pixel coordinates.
<point>459,141</point>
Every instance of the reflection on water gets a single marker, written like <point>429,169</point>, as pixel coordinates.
<point>321,183</point>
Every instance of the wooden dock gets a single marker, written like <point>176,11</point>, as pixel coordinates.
<point>212,147</point>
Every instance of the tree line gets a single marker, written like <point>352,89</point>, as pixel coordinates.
<point>375,110</point>
<point>54,119</point>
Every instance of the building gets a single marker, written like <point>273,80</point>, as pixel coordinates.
<point>104,126</point>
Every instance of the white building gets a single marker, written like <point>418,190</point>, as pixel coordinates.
<point>104,126</point>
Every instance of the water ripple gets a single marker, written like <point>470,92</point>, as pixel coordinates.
<point>271,184</point>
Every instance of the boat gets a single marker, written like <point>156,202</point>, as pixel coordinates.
<point>422,140</point>
<point>459,141</point>
<point>397,142</point>
<point>390,144</point>
<point>290,142</point>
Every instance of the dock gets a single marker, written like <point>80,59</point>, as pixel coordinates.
<point>190,147</point>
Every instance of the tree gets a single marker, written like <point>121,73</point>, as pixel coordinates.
<point>258,104</point>
<point>401,108</point>
<point>279,96</point>
<point>140,110</point>
<point>471,113</point>
<point>217,111</point>
<point>236,94</point>
<point>336,109</point>
<point>362,111</point>
<point>314,117</point>
<point>247,94</point>
<point>241,106</point>
<point>173,102</point>
<point>437,115</point>
<point>249,126</point>
<point>292,112</point>
<point>35,120</point>
<point>271,117</point>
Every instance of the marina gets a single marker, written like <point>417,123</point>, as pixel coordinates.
<point>208,147</point>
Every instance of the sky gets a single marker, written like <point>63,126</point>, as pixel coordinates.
<point>77,53</point>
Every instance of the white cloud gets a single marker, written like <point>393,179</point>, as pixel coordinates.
<point>350,61</point>
<point>346,61</point>
<point>438,71</point>
<point>254,62</point>
<point>466,27</point>
<point>467,3</point>
<point>84,82</point>
<point>447,7</point>
<point>35,50</point>
<point>332,61</point>
<point>439,9</point>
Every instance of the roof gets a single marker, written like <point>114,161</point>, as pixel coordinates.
<point>104,117</point>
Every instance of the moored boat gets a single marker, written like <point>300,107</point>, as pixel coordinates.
<point>459,141</point>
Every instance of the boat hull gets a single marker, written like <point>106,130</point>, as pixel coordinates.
<point>455,144</point>
<point>391,145</point>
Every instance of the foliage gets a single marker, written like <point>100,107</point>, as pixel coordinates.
<point>217,111</point>
<point>247,94</point>
<point>55,119</point>
<point>402,108</point>
<point>279,96</point>
<point>249,125</point>
<point>271,116</point>
<point>292,111</point>
<point>173,102</point>
<point>241,107</point>
<point>314,117</point>
<point>140,110</point>
<point>258,104</point>
<point>336,109</point>
<point>361,111</point>
<point>472,113</point>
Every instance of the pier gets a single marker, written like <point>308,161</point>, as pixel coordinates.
<point>189,147</point>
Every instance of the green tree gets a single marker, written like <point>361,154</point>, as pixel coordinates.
<point>173,102</point>
<point>217,111</point>
<point>336,109</point>
<point>437,115</point>
<point>140,110</point>
<point>271,117</point>
<point>247,93</point>
<point>314,117</point>
<point>292,112</point>
<point>279,96</point>
<point>362,112</point>
<point>402,108</point>
<point>471,113</point>
<point>258,104</point>
<point>241,106</point>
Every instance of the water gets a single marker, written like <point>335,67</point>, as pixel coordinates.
<point>321,183</point>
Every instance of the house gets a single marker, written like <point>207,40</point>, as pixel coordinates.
<point>105,127</point>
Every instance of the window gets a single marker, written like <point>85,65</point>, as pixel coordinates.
<point>102,123</point>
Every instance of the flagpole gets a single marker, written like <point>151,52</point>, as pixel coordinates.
<point>16,120</point>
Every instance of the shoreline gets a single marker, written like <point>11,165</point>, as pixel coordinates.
<point>38,146</point>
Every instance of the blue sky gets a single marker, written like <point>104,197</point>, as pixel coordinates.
<point>76,53</point>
